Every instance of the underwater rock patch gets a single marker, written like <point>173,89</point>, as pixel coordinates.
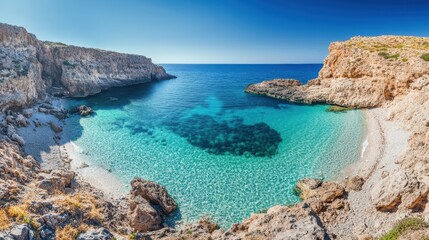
<point>228,137</point>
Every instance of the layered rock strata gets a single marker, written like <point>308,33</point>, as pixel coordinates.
<point>30,69</point>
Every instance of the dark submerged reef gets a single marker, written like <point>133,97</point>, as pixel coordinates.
<point>228,137</point>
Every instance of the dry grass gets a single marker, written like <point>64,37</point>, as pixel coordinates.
<point>4,220</point>
<point>69,232</point>
<point>85,204</point>
<point>16,213</point>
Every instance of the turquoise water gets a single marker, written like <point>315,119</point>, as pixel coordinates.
<point>220,152</point>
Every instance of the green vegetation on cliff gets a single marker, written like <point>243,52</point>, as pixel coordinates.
<point>407,224</point>
<point>425,56</point>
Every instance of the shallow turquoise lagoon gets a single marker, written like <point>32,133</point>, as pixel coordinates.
<point>220,152</point>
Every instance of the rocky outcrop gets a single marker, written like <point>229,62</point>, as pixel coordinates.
<point>201,230</point>
<point>360,72</point>
<point>19,232</point>
<point>16,169</point>
<point>327,199</point>
<point>98,234</point>
<point>154,193</point>
<point>144,196</point>
<point>280,222</point>
<point>30,69</point>
<point>57,181</point>
<point>82,110</point>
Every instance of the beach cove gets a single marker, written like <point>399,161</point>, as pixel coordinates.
<point>226,186</point>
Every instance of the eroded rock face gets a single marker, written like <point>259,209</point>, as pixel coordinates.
<point>143,197</point>
<point>203,229</point>
<point>29,69</point>
<point>358,73</point>
<point>154,193</point>
<point>327,199</point>
<point>15,169</point>
<point>58,181</point>
<point>280,222</point>
<point>143,217</point>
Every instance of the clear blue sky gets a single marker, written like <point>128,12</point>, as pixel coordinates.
<point>222,31</point>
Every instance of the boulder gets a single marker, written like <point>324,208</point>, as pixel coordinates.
<point>15,137</point>
<point>27,112</point>
<point>10,119</point>
<point>58,181</point>
<point>46,106</point>
<point>21,232</point>
<point>10,130</point>
<point>305,186</point>
<point>82,110</point>
<point>21,121</point>
<point>55,128</point>
<point>355,183</point>
<point>142,216</point>
<point>43,110</point>
<point>154,193</point>
<point>97,234</point>
<point>315,189</point>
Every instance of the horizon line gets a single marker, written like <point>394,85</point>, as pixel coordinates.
<point>240,63</point>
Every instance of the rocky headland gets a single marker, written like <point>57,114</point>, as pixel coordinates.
<point>49,197</point>
<point>389,77</point>
<point>31,69</point>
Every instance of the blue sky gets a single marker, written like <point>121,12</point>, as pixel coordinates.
<point>222,31</point>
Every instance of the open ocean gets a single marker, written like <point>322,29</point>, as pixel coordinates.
<point>219,151</point>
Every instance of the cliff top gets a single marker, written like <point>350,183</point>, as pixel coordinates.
<point>386,42</point>
<point>391,47</point>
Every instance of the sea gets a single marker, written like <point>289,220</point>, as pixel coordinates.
<point>220,152</point>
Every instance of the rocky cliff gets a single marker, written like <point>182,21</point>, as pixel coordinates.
<point>361,72</point>
<point>389,72</point>
<point>30,69</point>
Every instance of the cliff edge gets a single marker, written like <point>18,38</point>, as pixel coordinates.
<point>30,69</point>
<point>362,72</point>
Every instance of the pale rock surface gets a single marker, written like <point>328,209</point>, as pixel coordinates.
<point>280,222</point>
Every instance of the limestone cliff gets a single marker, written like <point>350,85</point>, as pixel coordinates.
<point>391,72</point>
<point>30,69</point>
<point>361,72</point>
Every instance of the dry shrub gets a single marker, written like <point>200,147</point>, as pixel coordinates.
<point>16,213</point>
<point>69,232</point>
<point>4,220</point>
<point>82,204</point>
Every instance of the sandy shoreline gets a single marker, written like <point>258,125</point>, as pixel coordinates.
<point>97,176</point>
<point>372,147</point>
<point>386,141</point>
<point>56,151</point>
